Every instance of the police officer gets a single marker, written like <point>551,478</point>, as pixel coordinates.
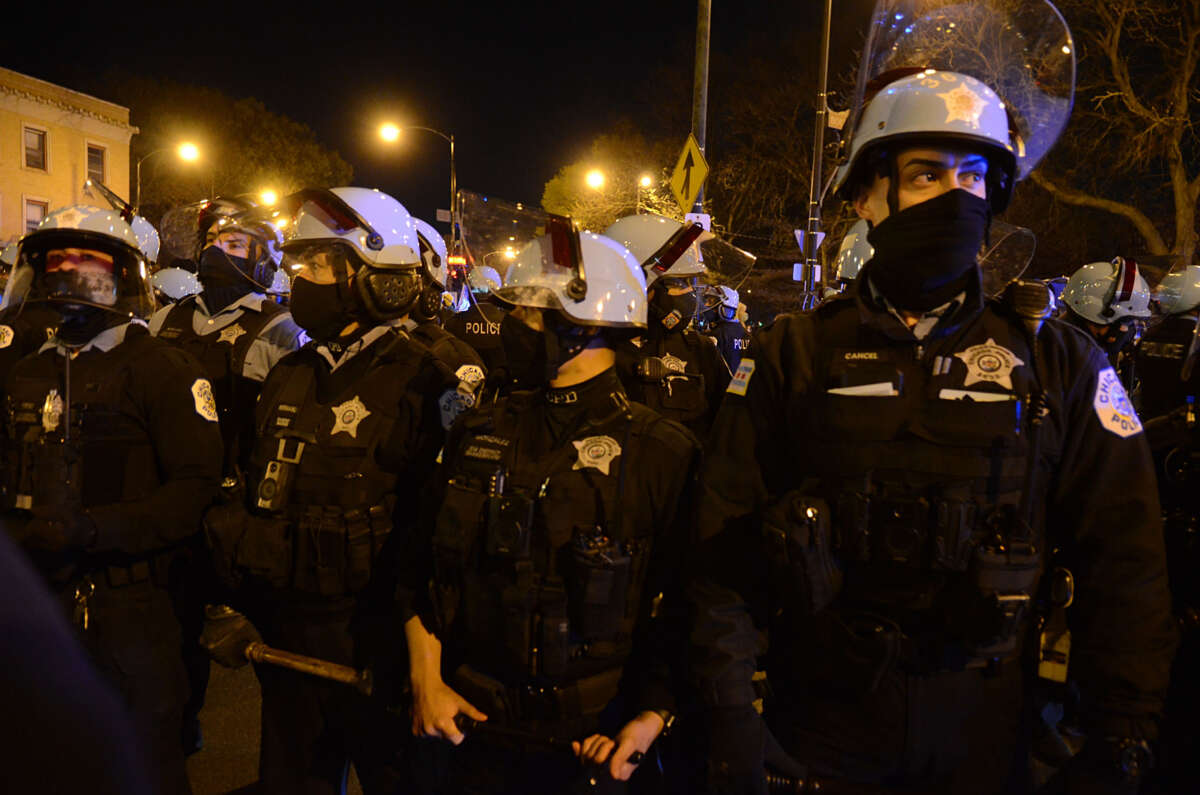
<point>904,461</point>
<point>348,428</point>
<point>555,539</point>
<point>477,317</point>
<point>112,453</point>
<point>238,333</point>
<point>425,322</point>
<point>671,368</point>
<point>1166,362</point>
<point>733,339</point>
<point>1111,302</point>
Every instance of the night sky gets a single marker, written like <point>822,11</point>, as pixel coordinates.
<point>524,87</point>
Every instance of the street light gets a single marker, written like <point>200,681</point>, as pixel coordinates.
<point>644,182</point>
<point>186,151</point>
<point>268,197</point>
<point>594,179</point>
<point>390,133</point>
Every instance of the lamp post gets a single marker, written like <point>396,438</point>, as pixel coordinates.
<point>186,151</point>
<point>390,132</point>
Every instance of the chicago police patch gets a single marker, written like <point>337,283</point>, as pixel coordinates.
<point>1112,405</point>
<point>6,336</point>
<point>741,379</point>
<point>202,395</point>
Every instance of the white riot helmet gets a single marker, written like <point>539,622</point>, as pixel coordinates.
<point>147,237</point>
<point>854,252</point>
<point>84,256</point>
<point>175,284</point>
<point>729,297</point>
<point>8,257</point>
<point>433,251</point>
<point>361,232</point>
<point>615,284</point>
<point>1179,291</point>
<point>1106,292</point>
<point>932,107</point>
<point>663,246</point>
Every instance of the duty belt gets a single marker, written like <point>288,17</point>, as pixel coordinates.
<point>542,702</point>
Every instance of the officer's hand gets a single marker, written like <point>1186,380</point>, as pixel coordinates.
<point>226,635</point>
<point>637,735</point>
<point>435,706</point>
<point>736,741</point>
<point>60,529</point>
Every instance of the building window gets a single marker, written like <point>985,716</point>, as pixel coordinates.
<point>35,211</point>
<point>35,148</point>
<point>95,163</point>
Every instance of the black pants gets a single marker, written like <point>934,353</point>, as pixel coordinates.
<point>940,733</point>
<point>133,637</point>
<point>311,728</point>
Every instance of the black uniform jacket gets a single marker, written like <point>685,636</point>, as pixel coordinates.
<point>781,424</point>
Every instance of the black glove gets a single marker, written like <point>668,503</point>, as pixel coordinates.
<point>1110,766</point>
<point>60,529</point>
<point>735,751</point>
<point>226,635</point>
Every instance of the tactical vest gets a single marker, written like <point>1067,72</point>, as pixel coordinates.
<point>670,384</point>
<point>223,355</point>
<point>109,457</point>
<point>907,505</point>
<point>537,559</point>
<point>317,465</point>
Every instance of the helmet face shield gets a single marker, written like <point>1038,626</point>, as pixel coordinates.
<point>73,267</point>
<point>321,261</point>
<point>1020,49</point>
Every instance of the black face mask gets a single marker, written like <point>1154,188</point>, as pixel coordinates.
<point>81,324</point>
<point>222,277</point>
<point>525,352</point>
<point>925,253</point>
<point>673,311</point>
<point>323,310</point>
<point>534,356</point>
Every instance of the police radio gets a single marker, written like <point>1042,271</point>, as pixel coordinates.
<point>510,520</point>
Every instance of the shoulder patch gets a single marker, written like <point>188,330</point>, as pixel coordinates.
<point>470,374</point>
<point>6,336</point>
<point>1112,405</point>
<point>454,402</point>
<point>741,379</point>
<point>202,395</point>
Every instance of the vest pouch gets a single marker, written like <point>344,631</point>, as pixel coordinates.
<point>359,550</point>
<point>858,649</point>
<point>321,564</point>
<point>683,394</point>
<point>1004,578</point>
<point>458,521</point>
<point>554,628</point>
<point>249,547</point>
<point>798,533</point>
<point>518,601</point>
<point>856,418</point>
<point>599,584</point>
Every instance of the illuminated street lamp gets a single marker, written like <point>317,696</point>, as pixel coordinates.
<point>186,151</point>
<point>644,182</point>
<point>391,133</point>
<point>268,197</point>
<point>594,179</point>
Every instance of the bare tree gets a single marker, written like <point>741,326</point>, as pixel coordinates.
<point>1131,149</point>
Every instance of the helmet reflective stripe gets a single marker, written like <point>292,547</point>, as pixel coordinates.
<point>1103,292</point>
<point>662,260</point>
<point>935,108</point>
<point>647,236</point>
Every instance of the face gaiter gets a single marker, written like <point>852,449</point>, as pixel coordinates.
<point>223,277</point>
<point>535,356</point>
<point>924,253</point>
<point>322,310</point>
<point>673,311</point>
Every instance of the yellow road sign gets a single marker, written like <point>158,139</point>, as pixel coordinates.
<point>689,175</point>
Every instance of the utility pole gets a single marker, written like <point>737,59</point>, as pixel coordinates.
<point>700,86</point>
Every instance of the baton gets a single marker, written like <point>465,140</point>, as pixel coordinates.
<point>362,681</point>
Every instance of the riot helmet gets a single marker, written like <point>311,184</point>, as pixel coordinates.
<point>1179,291</point>
<point>356,258</point>
<point>174,284</point>
<point>665,247</point>
<point>1107,292</point>
<point>435,259</point>
<point>854,251</point>
<point>85,262</point>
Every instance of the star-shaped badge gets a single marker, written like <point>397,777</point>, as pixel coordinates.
<point>596,452</point>
<point>990,363</point>
<point>347,416</point>
<point>231,333</point>
<point>963,104</point>
<point>674,363</point>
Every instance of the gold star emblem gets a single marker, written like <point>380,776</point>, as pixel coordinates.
<point>989,363</point>
<point>347,416</point>
<point>231,333</point>
<point>963,104</point>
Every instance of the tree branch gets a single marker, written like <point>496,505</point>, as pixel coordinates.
<point>1139,219</point>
